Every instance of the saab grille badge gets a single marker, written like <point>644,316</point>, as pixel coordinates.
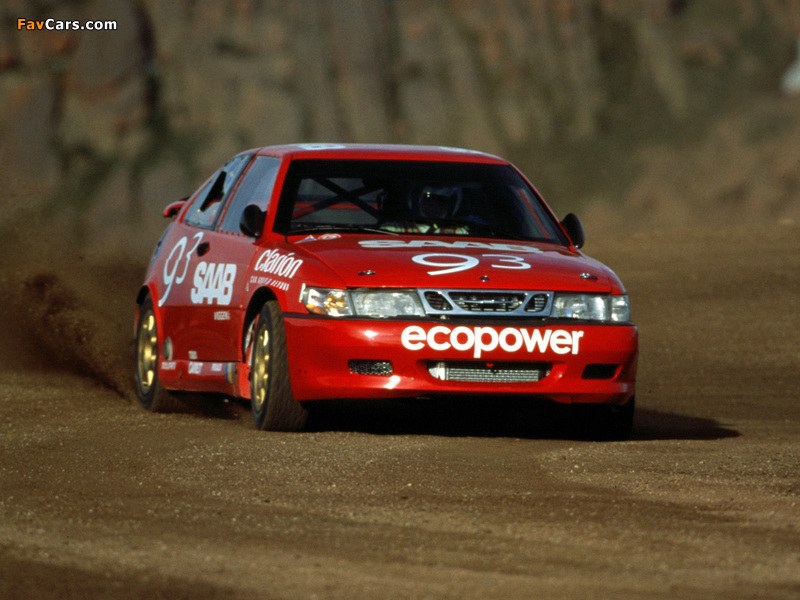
<point>588,276</point>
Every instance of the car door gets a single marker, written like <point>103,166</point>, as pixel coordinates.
<point>218,276</point>
<point>191,278</point>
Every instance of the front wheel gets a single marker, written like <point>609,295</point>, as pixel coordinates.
<point>152,396</point>
<point>274,406</point>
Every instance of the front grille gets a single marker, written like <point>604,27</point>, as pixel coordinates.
<point>489,303</point>
<point>370,367</point>
<point>437,301</point>
<point>537,303</point>
<point>492,302</point>
<point>481,372</point>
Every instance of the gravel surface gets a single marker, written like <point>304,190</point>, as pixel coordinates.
<point>99,499</point>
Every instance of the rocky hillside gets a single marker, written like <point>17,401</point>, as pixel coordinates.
<point>660,110</point>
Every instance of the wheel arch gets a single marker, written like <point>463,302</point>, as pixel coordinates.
<point>144,291</point>
<point>259,298</point>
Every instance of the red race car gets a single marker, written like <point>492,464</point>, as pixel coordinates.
<point>322,271</point>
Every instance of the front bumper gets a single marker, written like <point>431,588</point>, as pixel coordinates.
<point>577,363</point>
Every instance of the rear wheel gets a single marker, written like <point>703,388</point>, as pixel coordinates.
<point>274,406</point>
<point>152,396</point>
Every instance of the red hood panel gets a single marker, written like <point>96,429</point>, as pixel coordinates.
<point>456,262</point>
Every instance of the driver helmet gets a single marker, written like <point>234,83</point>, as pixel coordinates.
<point>437,202</point>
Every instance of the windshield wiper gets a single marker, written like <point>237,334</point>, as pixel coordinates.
<point>300,228</point>
<point>499,233</point>
<point>473,227</point>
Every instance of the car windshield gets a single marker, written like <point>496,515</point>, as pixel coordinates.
<point>405,197</point>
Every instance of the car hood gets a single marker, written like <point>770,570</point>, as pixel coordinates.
<point>455,262</point>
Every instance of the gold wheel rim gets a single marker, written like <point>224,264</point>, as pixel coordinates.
<point>147,353</point>
<point>260,369</point>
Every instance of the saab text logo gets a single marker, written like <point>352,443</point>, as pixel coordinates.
<point>61,25</point>
<point>213,282</point>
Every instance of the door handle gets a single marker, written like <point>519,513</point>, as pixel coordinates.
<point>203,248</point>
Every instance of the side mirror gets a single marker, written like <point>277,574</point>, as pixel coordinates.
<point>252,220</point>
<point>572,225</point>
<point>174,208</point>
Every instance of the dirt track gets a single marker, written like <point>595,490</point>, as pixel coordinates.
<point>99,499</point>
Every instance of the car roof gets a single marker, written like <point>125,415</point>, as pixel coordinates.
<point>378,152</point>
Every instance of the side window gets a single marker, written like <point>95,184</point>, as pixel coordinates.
<point>207,205</point>
<point>256,188</point>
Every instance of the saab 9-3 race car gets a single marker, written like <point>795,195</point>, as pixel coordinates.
<point>314,272</point>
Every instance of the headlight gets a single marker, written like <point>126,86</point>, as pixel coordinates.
<point>378,303</point>
<point>591,307</point>
<point>363,303</point>
<point>333,303</point>
<point>620,309</point>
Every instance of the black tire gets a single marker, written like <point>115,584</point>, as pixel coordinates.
<point>152,396</point>
<point>272,401</point>
<point>606,423</point>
